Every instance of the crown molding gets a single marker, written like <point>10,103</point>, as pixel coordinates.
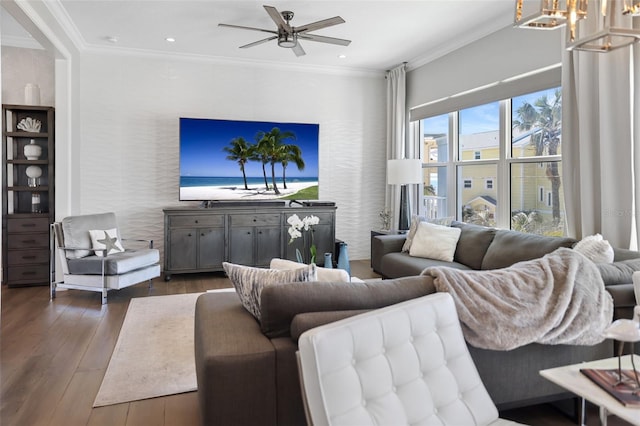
<point>63,19</point>
<point>21,42</point>
<point>280,66</point>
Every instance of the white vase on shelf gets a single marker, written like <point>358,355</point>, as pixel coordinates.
<point>32,151</point>
<point>32,94</point>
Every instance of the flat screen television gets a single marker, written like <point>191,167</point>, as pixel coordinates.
<point>230,160</point>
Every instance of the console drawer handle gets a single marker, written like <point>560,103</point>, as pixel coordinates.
<point>28,273</point>
<point>28,257</point>
<point>28,225</point>
<point>28,241</point>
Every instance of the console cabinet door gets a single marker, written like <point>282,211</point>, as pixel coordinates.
<point>323,237</point>
<point>210,248</point>
<point>241,245</point>
<point>268,245</point>
<point>183,249</point>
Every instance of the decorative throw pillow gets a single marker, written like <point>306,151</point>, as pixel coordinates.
<point>435,242</point>
<point>249,281</point>
<point>324,274</point>
<point>595,248</point>
<point>105,239</point>
<point>415,220</point>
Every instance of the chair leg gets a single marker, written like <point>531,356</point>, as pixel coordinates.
<point>151,283</point>
<point>104,296</point>
<point>52,290</point>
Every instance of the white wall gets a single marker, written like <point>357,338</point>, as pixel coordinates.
<point>128,149</point>
<point>21,66</point>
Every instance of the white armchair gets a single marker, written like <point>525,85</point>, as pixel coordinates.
<point>92,256</point>
<point>403,364</point>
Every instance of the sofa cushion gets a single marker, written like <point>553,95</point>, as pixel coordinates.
<point>595,248</point>
<point>249,282</point>
<point>413,228</point>
<point>396,265</point>
<point>114,264</point>
<point>618,272</point>
<point>434,242</point>
<point>100,238</point>
<point>323,274</point>
<point>509,247</point>
<point>473,243</point>
<point>282,302</point>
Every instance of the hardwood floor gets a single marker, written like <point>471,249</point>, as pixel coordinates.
<point>53,356</point>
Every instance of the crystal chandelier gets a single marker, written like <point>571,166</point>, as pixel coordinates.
<point>548,14</point>
<point>595,26</point>
<point>608,26</point>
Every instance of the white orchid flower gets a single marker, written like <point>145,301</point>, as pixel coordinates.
<point>294,233</point>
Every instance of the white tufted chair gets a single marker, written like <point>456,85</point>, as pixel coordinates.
<point>406,364</point>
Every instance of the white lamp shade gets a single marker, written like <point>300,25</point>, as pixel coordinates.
<point>403,172</point>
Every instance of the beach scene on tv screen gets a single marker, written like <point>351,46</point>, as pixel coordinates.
<point>248,160</point>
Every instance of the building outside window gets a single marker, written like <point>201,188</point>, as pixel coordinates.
<point>514,147</point>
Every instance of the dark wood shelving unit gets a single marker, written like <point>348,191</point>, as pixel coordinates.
<point>25,221</point>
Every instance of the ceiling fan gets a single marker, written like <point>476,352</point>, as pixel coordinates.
<point>289,36</point>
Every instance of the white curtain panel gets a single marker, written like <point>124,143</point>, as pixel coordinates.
<point>598,146</point>
<point>396,132</point>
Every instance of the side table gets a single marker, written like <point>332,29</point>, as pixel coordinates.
<point>569,377</point>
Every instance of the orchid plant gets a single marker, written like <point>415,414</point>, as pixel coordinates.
<point>301,228</point>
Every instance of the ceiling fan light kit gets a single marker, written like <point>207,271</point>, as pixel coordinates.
<point>289,36</point>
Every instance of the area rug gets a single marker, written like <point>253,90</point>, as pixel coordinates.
<point>154,353</point>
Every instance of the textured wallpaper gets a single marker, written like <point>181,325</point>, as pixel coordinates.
<point>129,134</point>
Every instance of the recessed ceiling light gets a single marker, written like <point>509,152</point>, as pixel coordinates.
<point>111,39</point>
<point>170,39</point>
<point>342,56</point>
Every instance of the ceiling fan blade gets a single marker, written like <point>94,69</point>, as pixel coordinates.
<point>298,50</point>
<point>241,27</point>
<point>277,18</point>
<point>323,39</point>
<point>320,24</point>
<point>255,43</point>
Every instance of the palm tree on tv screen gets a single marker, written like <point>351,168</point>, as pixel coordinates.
<point>271,144</point>
<point>258,152</point>
<point>239,151</point>
<point>291,153</point>
<point>546,116</point>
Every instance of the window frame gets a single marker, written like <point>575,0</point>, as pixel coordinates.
<point>504,162</point>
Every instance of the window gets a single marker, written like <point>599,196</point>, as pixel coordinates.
<point>514,146</point>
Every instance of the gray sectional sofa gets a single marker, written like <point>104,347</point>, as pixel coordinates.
<point>247,372</point>
<point>483,248</point>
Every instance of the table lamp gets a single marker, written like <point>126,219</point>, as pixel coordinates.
<point>404,172</point>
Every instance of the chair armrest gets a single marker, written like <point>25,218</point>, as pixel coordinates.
<point>137,240</point>
<point>383,244</point>
<point>104,250</point>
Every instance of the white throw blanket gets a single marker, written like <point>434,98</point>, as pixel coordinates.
<point>557,299</point>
